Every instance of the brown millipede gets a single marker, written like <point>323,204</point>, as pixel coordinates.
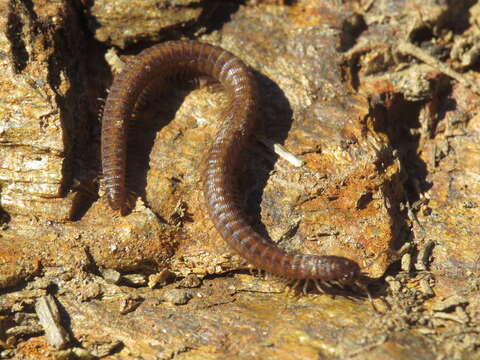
<point>164,61</point>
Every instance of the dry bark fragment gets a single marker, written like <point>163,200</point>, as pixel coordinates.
<point>40,118</point>
<point>344,200</point>
<point>126,21</point>
<point>49,317</point>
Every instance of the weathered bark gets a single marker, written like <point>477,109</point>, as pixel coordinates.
<point>388,135</point>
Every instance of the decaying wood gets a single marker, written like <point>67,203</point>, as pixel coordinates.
<point>375,104</point>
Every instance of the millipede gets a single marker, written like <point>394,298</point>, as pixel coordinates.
<point>161,62</point>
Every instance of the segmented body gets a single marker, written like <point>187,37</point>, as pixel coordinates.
<point>163,61</point>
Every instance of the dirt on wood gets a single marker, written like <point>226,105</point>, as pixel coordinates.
<point>376,101</point>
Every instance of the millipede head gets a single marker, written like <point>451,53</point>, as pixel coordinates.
<point>336,269</point>
<point>351,274</point>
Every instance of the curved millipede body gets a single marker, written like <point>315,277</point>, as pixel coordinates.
<point>179,57</point>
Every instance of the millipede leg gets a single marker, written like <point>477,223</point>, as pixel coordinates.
<point>305,286</point>
<point>364,287</point>
<point>317,285</point>
<point>293,287</point>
